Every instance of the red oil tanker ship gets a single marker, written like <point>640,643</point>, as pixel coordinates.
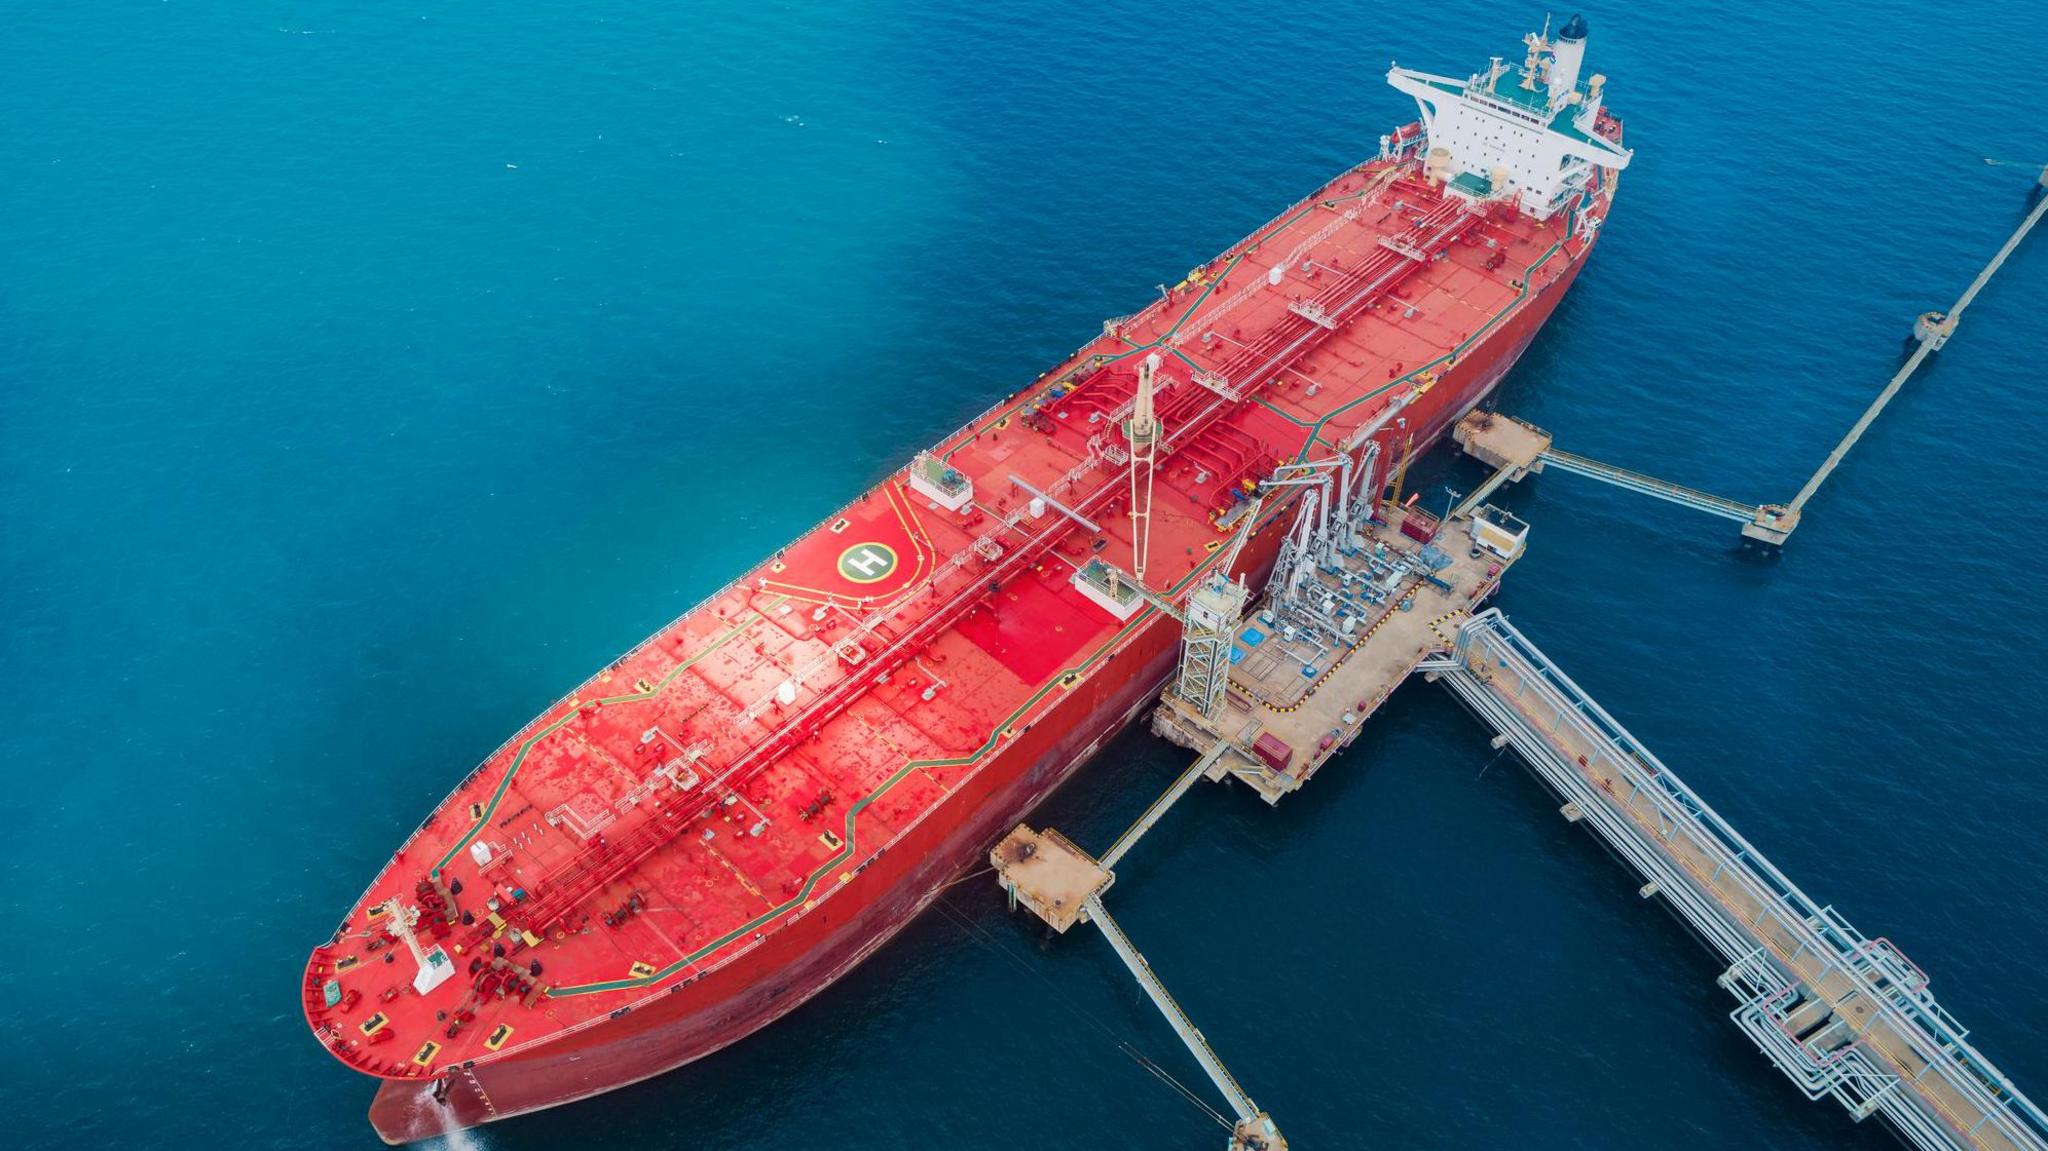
<point>733,814</point>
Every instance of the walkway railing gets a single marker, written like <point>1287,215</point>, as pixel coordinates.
<point>1839,1013</point>
<point>1649,486</point>
<point>1932,336</point>
<point>1167,798</point>
<point>1197,1044</point>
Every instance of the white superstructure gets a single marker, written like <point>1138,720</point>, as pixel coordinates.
<point>1534,132</point>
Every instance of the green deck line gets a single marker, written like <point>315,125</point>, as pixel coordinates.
<point>1207,289</point>
<point>526,747</point>
<point>1290,417</point>
<point>846,854</point>
<point>1315,429</point>
<point>1521,295</point>
<point>1315,436</point>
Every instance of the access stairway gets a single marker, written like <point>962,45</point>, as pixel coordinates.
<point>1841,1014</point>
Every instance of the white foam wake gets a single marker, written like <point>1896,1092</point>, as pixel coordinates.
<point>453,1138</point>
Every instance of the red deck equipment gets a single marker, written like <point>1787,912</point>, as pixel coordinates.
<point>728,817</point>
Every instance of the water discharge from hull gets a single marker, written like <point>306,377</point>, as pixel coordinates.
<point>431,1114</point>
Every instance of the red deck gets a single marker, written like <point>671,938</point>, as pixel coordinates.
<point>731,775</point>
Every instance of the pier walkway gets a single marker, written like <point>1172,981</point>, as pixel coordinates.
<point>1842,1015</point>
<point>1516,449</point>
<point>1932,330</point>
<point>1357,608</point>
<point>1197,1043</point>
<point>1650,486</point>
<point>1063,885</point>
<point>1144,823</point>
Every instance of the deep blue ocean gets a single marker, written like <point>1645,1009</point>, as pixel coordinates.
<point>371,373</point>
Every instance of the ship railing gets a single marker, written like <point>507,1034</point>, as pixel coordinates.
<point>1176,437</point>
<point>1254,236</point>
<point>1279,219</point>
<point>1443,223</point>
<point>694,970</point>
<point>866,626</point>
<point>1260,284</point>
<point>972,426</point>
<point>570,884</point>
<point>1078,355</point>
<point>1322,235</point>
<point>542,718</point>
<point>1075,474</point>
<point>662,633</point>
<point>979,548</point>
<point>989,415</point>
<point>1507,108</point>
<point>737,583</point>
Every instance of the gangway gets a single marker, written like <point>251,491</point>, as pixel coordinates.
<point>1931,330</point>
<point>1167,798</point>
<point>1254,1130</point>
<point>1514,449</point>
<point>1841,1014</point>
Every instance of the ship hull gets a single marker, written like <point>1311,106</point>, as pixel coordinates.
<point>792,965</point>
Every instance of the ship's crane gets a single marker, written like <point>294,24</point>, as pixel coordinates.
<point>434,966</point>
<point>555,897</point>
<point>1143,432</point>
<point>1246,526</point>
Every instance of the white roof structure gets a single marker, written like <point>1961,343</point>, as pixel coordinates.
<point>1535,131</point>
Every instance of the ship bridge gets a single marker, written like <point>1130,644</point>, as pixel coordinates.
<point>1532,134</point>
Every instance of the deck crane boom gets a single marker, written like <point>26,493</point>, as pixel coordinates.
<point>1247,524</point>
<point>1143,432</point>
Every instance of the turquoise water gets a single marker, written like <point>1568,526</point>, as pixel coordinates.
<point>373,373</point>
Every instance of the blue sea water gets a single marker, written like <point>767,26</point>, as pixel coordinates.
<point>369,373</point>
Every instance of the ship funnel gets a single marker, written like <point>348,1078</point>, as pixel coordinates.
<point>1567,54</point>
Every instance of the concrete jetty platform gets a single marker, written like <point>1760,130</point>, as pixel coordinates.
<point>1841,1014</point>
<point>1297,697</point>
